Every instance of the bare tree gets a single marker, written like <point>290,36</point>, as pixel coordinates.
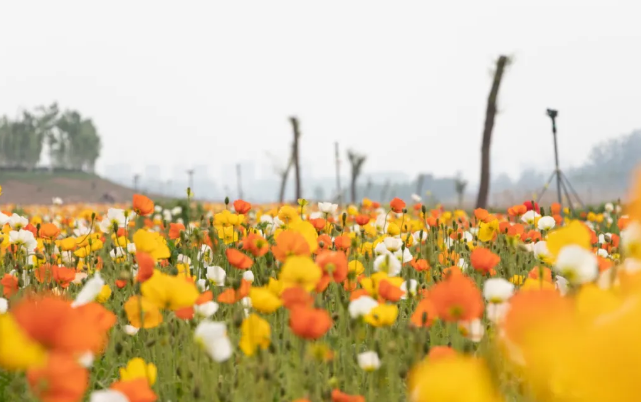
<point>356,161</point>
<point>460,185</point>
<point>296,156</point>
<point>283,173</point>
<point>490,114</point>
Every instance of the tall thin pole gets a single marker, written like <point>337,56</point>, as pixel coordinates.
<point>339,191</point>
<point>296,155</point>
<point>556,155</point>
<point>240,187</point>
<point>136,179</point>
<point>190,173</point>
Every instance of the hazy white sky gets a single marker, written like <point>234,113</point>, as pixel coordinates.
<point>404,81</point>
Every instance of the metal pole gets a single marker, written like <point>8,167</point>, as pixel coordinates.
<point>556,160</point>
<point>240,187</point>
<point>338,175</point>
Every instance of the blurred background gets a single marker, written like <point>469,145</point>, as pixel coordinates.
<point>102,99</point>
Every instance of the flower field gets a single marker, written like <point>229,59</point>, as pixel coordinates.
<point>393,301</point>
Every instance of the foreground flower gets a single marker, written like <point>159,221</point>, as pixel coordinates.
<point>137,368</point>
<point>212,337</point>
<point>441,380</point>
<point>255,333</point>
<point>17,350</point>
<point>577,264</point>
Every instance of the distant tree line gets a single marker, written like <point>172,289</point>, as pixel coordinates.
<point>71,140</point>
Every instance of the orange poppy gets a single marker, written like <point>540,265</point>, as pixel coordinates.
<point>175,229</point>
<point>362,220</point>
<point>238,259</point>
<point>481,214</point>
<point>256,244</point>
<point>62,379</point>
<point>145,266</point>
<point>324,243</point>
<point>242,207</point>
<point>309,323</point>
<point>535,273</point>
<point>49,231</point>
<point>484,260</point>
<point>296,297</point>
<point>457,299</point>
<point>333,264</point>
<point>342,242</point>
<point>555,208</point>
<point>425,314</point>
<point>389,292</point>
<point>397,205</point>
<point>231,296</point>
<point>136,390</point>
<point>9,285</point>
<point>517,210</point>
<point>142,205</point>
<point>318,223</point>
<point>338,396</point>
<point>48,273</point>
<point>52,322</point>
<point>420,265</point>
<point>290,243</point>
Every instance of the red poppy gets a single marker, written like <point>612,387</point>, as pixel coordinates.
<point>397,205</point>
<point>242,207</point>
<point>142,205</point>
<point>238,259</point>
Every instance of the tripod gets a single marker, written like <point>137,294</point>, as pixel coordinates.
<point>562,182</point>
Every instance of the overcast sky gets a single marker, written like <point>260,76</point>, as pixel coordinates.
<point>404,81</point>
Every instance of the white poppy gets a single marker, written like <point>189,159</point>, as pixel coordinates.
<point>387,263</point>
<point>23,239</point>
<point>90,291</point>
<point>212,336</point>
<point>206,310</point>
<point>369,361</point>
<point>4,305</point>
<point>472,330</point>
<point>108,395</point>
<point>248,276</point>
<point>86,359</point>
<point>411,289</point>
<point>577,264</point>
<point>217,275</point>
<point>497,290</point>
<point>393,244</point>
<point>327,207</point>
<point>546,223</point>
<point>131,330</point>
<point>361,306</point>
<point>17,222</point>
<point>496,312</point>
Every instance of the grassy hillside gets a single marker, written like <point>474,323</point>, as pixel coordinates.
<point>41,187</point>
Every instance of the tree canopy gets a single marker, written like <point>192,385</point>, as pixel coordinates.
<point>71,140</point>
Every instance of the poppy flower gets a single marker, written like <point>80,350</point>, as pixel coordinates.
<point>420,265</point>
<point>333,264</point>
<point>484,260</point>
<point>256,244</point>
<point>168,291</point>
<point>49,231</point>
<point>338,396</point>
<point>142,205</point>
<point>62,379</point>
<point>342,242</point>
<point>362,219</point>
<point>397,205</point>
<point>296,297</point>
<point>309,323</point>
<point>237,259</point>
<point>318,223</point>
<point>290,243</point>
<point>136,390</point>
<point>9,285</point>
<point>532,206</point>
<point>145,266</point>
<point>424,314</point>
<point>242,207</point>
<point>175,229</point>
<point>141,313</point>
<point>457,299</point>
<point>389,292</point>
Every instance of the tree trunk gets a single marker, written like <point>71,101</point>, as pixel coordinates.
<point>419,184</point>
<point>490,114</point>
<point>283,183</point>
<point>299,191</point>
<point>353,188</point>
<point>239,183</point>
